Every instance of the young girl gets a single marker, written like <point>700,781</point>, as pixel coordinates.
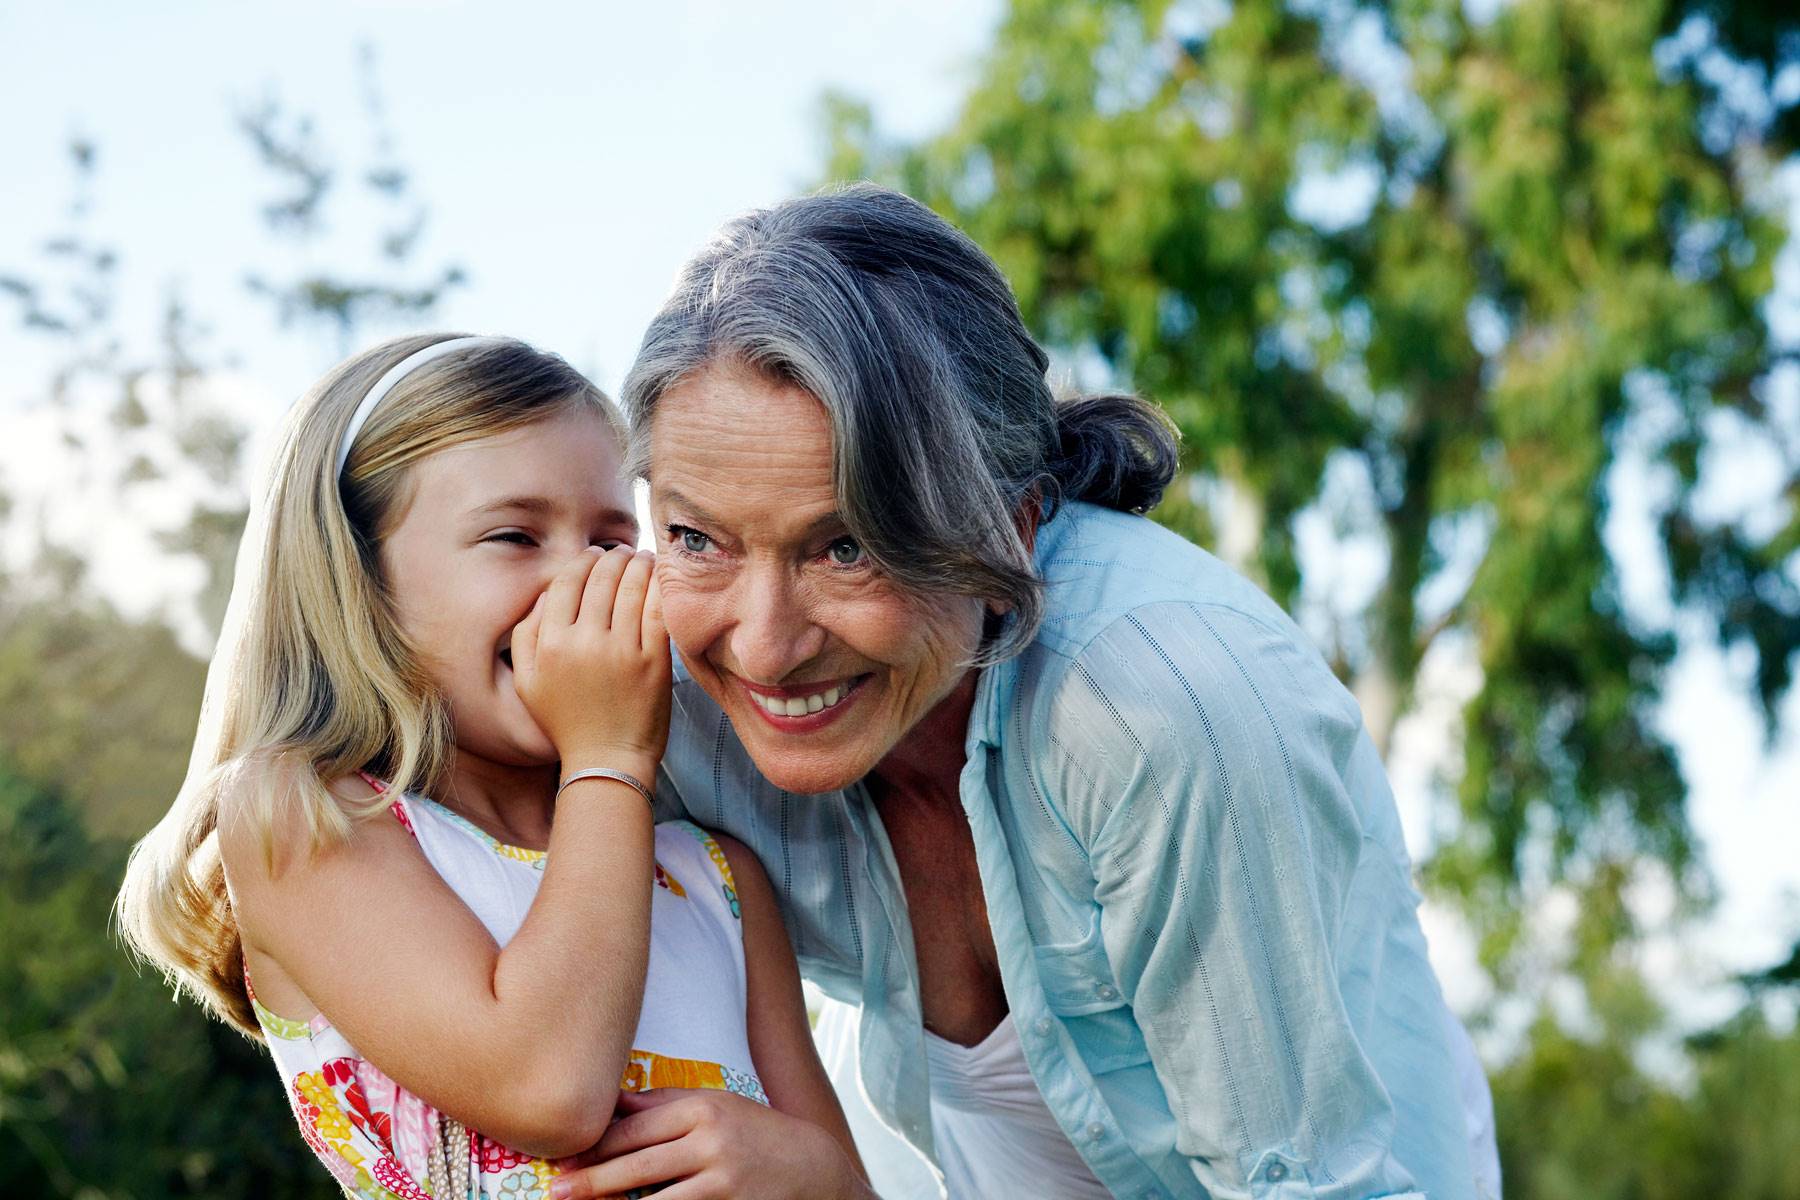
<point>417,818</point>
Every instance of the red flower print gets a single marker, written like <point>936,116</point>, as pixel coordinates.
<point>389,1175</point>
<point>494,1157</point>
<point>378,1125</point>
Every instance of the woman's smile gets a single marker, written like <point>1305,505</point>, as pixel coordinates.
<point>804,708</point>
<point>822,663</point>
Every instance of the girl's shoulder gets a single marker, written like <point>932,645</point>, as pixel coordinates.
<point>686,850</point>
<point>275,818</point>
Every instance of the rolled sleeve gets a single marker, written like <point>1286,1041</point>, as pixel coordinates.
<point>1203,756</point>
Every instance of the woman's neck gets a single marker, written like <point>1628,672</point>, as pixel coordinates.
<point>927,763</point>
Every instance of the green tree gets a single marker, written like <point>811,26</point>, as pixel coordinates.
<point>97,706</point>
<point>1579,1119</point>
<point>1746,1107</point>
<point>108,1090</point>
<point>1427,279</point>
<point>377,288</point>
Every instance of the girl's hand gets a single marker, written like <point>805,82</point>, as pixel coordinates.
<point>712,1145</point>
<point>591,663</point>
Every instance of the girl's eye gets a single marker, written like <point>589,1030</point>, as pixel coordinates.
<point>515,537</point>
<point>845,552</point>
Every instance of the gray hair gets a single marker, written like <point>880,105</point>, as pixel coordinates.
<point>945,431</point>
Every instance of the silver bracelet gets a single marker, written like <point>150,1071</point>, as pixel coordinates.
<point>609,773</point>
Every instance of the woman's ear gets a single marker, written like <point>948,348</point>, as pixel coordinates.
<point>1027,517</point>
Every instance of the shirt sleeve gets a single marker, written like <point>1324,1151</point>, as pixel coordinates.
<point>1201,757</point>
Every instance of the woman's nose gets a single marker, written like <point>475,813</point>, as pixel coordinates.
<point>774,633</point>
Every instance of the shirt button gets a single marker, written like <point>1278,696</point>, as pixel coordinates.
<point>1276,1172</point>
<point>1042,1026</point>
<point>1106,991</point>
<point>1096,1131</point>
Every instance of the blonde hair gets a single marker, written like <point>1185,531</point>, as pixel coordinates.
<point>314,679</point>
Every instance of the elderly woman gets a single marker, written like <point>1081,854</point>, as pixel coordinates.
<point>1073,812</point>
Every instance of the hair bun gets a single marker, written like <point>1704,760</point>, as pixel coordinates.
<point>1115,450</point>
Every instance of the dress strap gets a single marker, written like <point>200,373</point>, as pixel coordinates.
<point>397,807</point>
<point>720,863</point>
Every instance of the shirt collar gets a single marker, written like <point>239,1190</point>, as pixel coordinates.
<point>986,720</point>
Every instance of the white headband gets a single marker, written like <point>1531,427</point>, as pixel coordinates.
<point>385,384</point>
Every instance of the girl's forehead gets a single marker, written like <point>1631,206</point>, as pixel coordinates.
<point>573,455</point>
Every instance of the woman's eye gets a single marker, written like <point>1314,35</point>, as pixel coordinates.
<point>692,540</point>
<point>845,552</point>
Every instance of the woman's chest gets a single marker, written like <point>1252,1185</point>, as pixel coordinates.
<point>961,993</point>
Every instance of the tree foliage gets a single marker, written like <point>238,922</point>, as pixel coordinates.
<point>107,1089</point>
<point>1428,280</point>
<point>98,707</point>
<point>1425,279</point>
<point>384,285</point>
<point>1581,1120</point>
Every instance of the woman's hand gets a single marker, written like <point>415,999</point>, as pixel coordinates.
<point>591,663</point>
<point>712,1145</point>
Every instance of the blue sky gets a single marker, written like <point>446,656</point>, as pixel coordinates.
<point>572,157</point>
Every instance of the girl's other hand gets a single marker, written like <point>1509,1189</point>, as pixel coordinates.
<point>711,1145</point>
<point>591,663</point>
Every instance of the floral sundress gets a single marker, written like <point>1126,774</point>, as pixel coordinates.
<point>381,1142</point>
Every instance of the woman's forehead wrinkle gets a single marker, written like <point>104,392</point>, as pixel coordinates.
<point>749,450</point>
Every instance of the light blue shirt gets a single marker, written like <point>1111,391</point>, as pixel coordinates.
<point>1195,879</point>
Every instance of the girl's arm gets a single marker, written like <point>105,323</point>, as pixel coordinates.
<point>719,1145</point>
<point>525,1043</point>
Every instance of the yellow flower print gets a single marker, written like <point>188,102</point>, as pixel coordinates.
<point>520,854</point>
<point>331,1122</point>
<point>645,1070</point>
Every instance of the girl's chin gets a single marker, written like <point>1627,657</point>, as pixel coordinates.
<point>510,756</point>
<point>506,740</point>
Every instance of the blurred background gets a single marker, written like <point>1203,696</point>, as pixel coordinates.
<point>1481,321</point>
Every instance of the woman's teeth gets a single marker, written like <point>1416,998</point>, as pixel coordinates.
<point>800,706</point>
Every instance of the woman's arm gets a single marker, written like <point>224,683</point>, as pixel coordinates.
<point>525,1043</point>
<point>1203,764</point>
<point>781,1041</point>
<point>713,1144</point>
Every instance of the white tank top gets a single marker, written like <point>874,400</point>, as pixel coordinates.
<point>994,1134</point>
<point>378,1140</point>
